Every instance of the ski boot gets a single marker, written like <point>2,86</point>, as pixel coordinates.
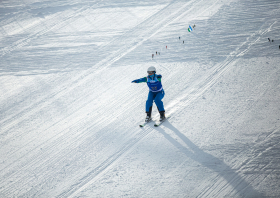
<point>149,115</point>
<point>162,116</point>
<point>148,119</point>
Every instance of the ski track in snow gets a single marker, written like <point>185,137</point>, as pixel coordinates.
<point>59,138</point>
<point>210,79</point>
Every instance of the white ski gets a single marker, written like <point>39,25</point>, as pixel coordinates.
<point>160,122</point>
<point>142,125</point>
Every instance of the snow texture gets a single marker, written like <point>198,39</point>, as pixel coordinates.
<point>69,114</point>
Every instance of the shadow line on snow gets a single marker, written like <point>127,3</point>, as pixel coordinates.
<point>242,188</point>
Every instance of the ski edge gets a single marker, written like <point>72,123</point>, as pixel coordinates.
<point>145,123</point>
<point>158,123</point>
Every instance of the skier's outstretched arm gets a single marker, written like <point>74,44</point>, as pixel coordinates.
<point>141,80</point>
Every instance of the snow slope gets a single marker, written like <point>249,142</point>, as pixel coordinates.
<point>69,113</point>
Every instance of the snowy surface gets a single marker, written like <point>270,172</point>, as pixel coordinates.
<point>69,113</point>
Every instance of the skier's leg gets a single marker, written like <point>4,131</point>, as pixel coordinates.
<point>159,104</point>
<point>158,101</point>
<point>149,113</point>
<point>149,102</point>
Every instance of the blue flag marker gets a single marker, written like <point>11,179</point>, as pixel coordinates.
<point>190,28</point>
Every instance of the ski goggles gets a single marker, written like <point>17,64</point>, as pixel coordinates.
<point>150,72</point>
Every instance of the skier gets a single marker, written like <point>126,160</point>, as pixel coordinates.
<point>156,93</point>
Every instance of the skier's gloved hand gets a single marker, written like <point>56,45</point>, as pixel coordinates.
<point>135,81</point>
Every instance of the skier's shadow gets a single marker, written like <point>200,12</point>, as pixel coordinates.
<point>242,188</point>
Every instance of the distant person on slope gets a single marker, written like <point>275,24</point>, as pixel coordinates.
<point>156,92</point>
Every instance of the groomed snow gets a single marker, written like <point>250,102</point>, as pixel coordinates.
<point>69,114</point>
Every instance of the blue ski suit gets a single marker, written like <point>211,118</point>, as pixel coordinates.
<point>156,92</point>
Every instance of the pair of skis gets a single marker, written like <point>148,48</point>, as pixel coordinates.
<point>156,124</point>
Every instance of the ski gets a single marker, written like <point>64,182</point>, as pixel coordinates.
<point>160,122</point>
<point>142,125</point>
